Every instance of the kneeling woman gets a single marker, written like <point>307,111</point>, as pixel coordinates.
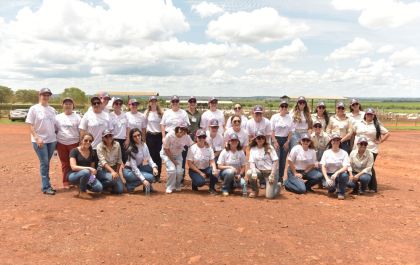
<point>200,160</point>
<point>302,160</point>
<point>110,163</point>
<point>232,162</point>
<point>135,173</point>
<point>82,163</point>
<point>361,163</point>
<point>263,163</point>
<point>335,162</point>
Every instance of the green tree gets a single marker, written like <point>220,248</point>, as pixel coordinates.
<point>6,94</point>
<point>26,96</point>
<point>76,94</point>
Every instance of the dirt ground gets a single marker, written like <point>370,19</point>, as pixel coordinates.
<point>197,228</point>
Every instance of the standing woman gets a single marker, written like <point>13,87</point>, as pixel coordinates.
<point>320,139</point>
<point>67,128</point>
<point>173,116</point>
<point>41,118</point>
<point>302,120</point>
<point>110,163</point>
<point>171,155</point>
<point>232,162</point>
<point>356,115</point>
<point>135,118</point>
<point>201,163</point>
<point>154,132</point>
<point>361,163</point>
<point>215,139</point>
<point>238,130</point>
<point>135,173</point>
<point>213,113</point>
<point>321,115</point>
<point>263,164</point>
<point>335,162</point>
<point>376,134</point>
<point>341,124</point>
<point>238,112</point>
<point>120,124</point>
<point>282,130</point>
<point>83,167</point>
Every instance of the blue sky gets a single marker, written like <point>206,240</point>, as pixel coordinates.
<point>236,47</point>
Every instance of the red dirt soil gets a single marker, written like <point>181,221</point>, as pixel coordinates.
<point>196,228</point>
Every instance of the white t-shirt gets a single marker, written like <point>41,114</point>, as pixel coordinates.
<point>334,161</point>
<point>262,160</point>
<point>253,127</point>
<point>67,127</point>
<point>301,158</point>
<point>137,120</point>
<point>208,115</point>
<point>43,120</point>
<point>235,159</point>
<point>95,123</point>
<point>302,125</point>
<point>175,144</point>
<point>217,143</point>
<point>242,135</point>
<point>120,125</point>
<point>244,120</point>
<point>200,156</point>
<point>153,122</point>
<point>281,125</point>
<point>170,119</point>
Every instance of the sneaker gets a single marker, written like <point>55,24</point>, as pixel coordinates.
<point>49,191</point>
<point>252,195</point>
<point>178,189</point>
<point>225,193</point>
<point>340,197</point>
<point>168,191</point>
<point>213,192</point>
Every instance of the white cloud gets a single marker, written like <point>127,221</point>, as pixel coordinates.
<point>352,50</point>
<point>386,49</point>
<point>289,52</point>
<point>381,13</point>
<point>205,9</point>
<point>407,57</point>
<point>258,26</point>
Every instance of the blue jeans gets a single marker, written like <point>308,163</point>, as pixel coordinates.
<point>294,139</point>
<point>340,181</point>
<point>132,181</point>
<point>198,181</point>
<point>364,180</point>
<point>282,154</point>
<point>106,180</point>
<point>296,185</point>
<point>229,182</point>
<point>81,178</point>
<point>44,155</point>
<point>346,146</point>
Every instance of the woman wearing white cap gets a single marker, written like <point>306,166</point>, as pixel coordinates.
<point>232,163</point>
<point>263,164</point>
<point>95,122</point>
<point>321,115</point>
<point>171,155</point>
<point>341,124</point>
<point>238,130</point>
<point>376,134</point>
<point>258,123</point>
<point>41,118</point>
<point>213,113</point>
<point>302,166</point>
<point>302,120</point>
<point>68,136</point>
<point>335,162</point>
<point>173,116</point>
<point>121,130</point>
<point>320,139</point>
<point>200,159</point>
<point>238,112</point>
<point>215,139</point>
<point>282,130</point>
<point>361,163</point>
<point>135,172</point>
<point>110,163</point>
<point>135,118</point>
<point>154,132</point>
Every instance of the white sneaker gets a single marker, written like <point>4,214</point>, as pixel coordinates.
<point>178,189</point>
<point>168,191</point>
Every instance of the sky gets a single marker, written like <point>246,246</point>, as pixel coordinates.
<point>357,48</point>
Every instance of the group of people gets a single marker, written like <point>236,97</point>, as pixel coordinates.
<point>118,151</point>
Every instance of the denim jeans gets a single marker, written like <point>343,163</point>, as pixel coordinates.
<point>271,190</point>
<point>346,146</point>
<point>106,180</point>
<point>44,155</point>
<point>364,180</point>
<point>229,182</point>
<point>341,182</point>
<point>198,180</point>
<point>373,184</point>
<point>296,185</point>
<point>282,154</point>
<point>132,181</point>
<point>81,178</point>
<point>295,139</point>
<point>173,172</point>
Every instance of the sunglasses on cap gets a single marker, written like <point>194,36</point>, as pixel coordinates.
<point>96,103</point>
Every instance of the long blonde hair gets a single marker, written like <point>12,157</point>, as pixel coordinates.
<point>149,109</point>
<point>306,113</point>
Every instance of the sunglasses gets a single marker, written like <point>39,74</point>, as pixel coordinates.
<point>355,104</point>
<point>134,104</point>
<point>363,144</point>
<point>236,121</point>
<point>317,126</point>
<point>306,140</point>
<point>118,103</point>
<point>237,108</point>
<point>192,101</point>
<point>96,103</point>
<point>321,107</point>
<point>261,138</point>
<point>336,140</point>
<point>175,101</point>
<point>283,106</point>
<point>87,141</point>
<point>136,135</point>
<point>302,102</point>
<point>108,136</point>
<point>340,108</point>
<point>202,137</point>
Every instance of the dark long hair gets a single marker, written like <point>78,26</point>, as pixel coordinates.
<point>377,126</point>
<point>238,148</point>
<point>132,149</point>
<point>91,152</point>
<point>266,145</point>
<point>325,114</point>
